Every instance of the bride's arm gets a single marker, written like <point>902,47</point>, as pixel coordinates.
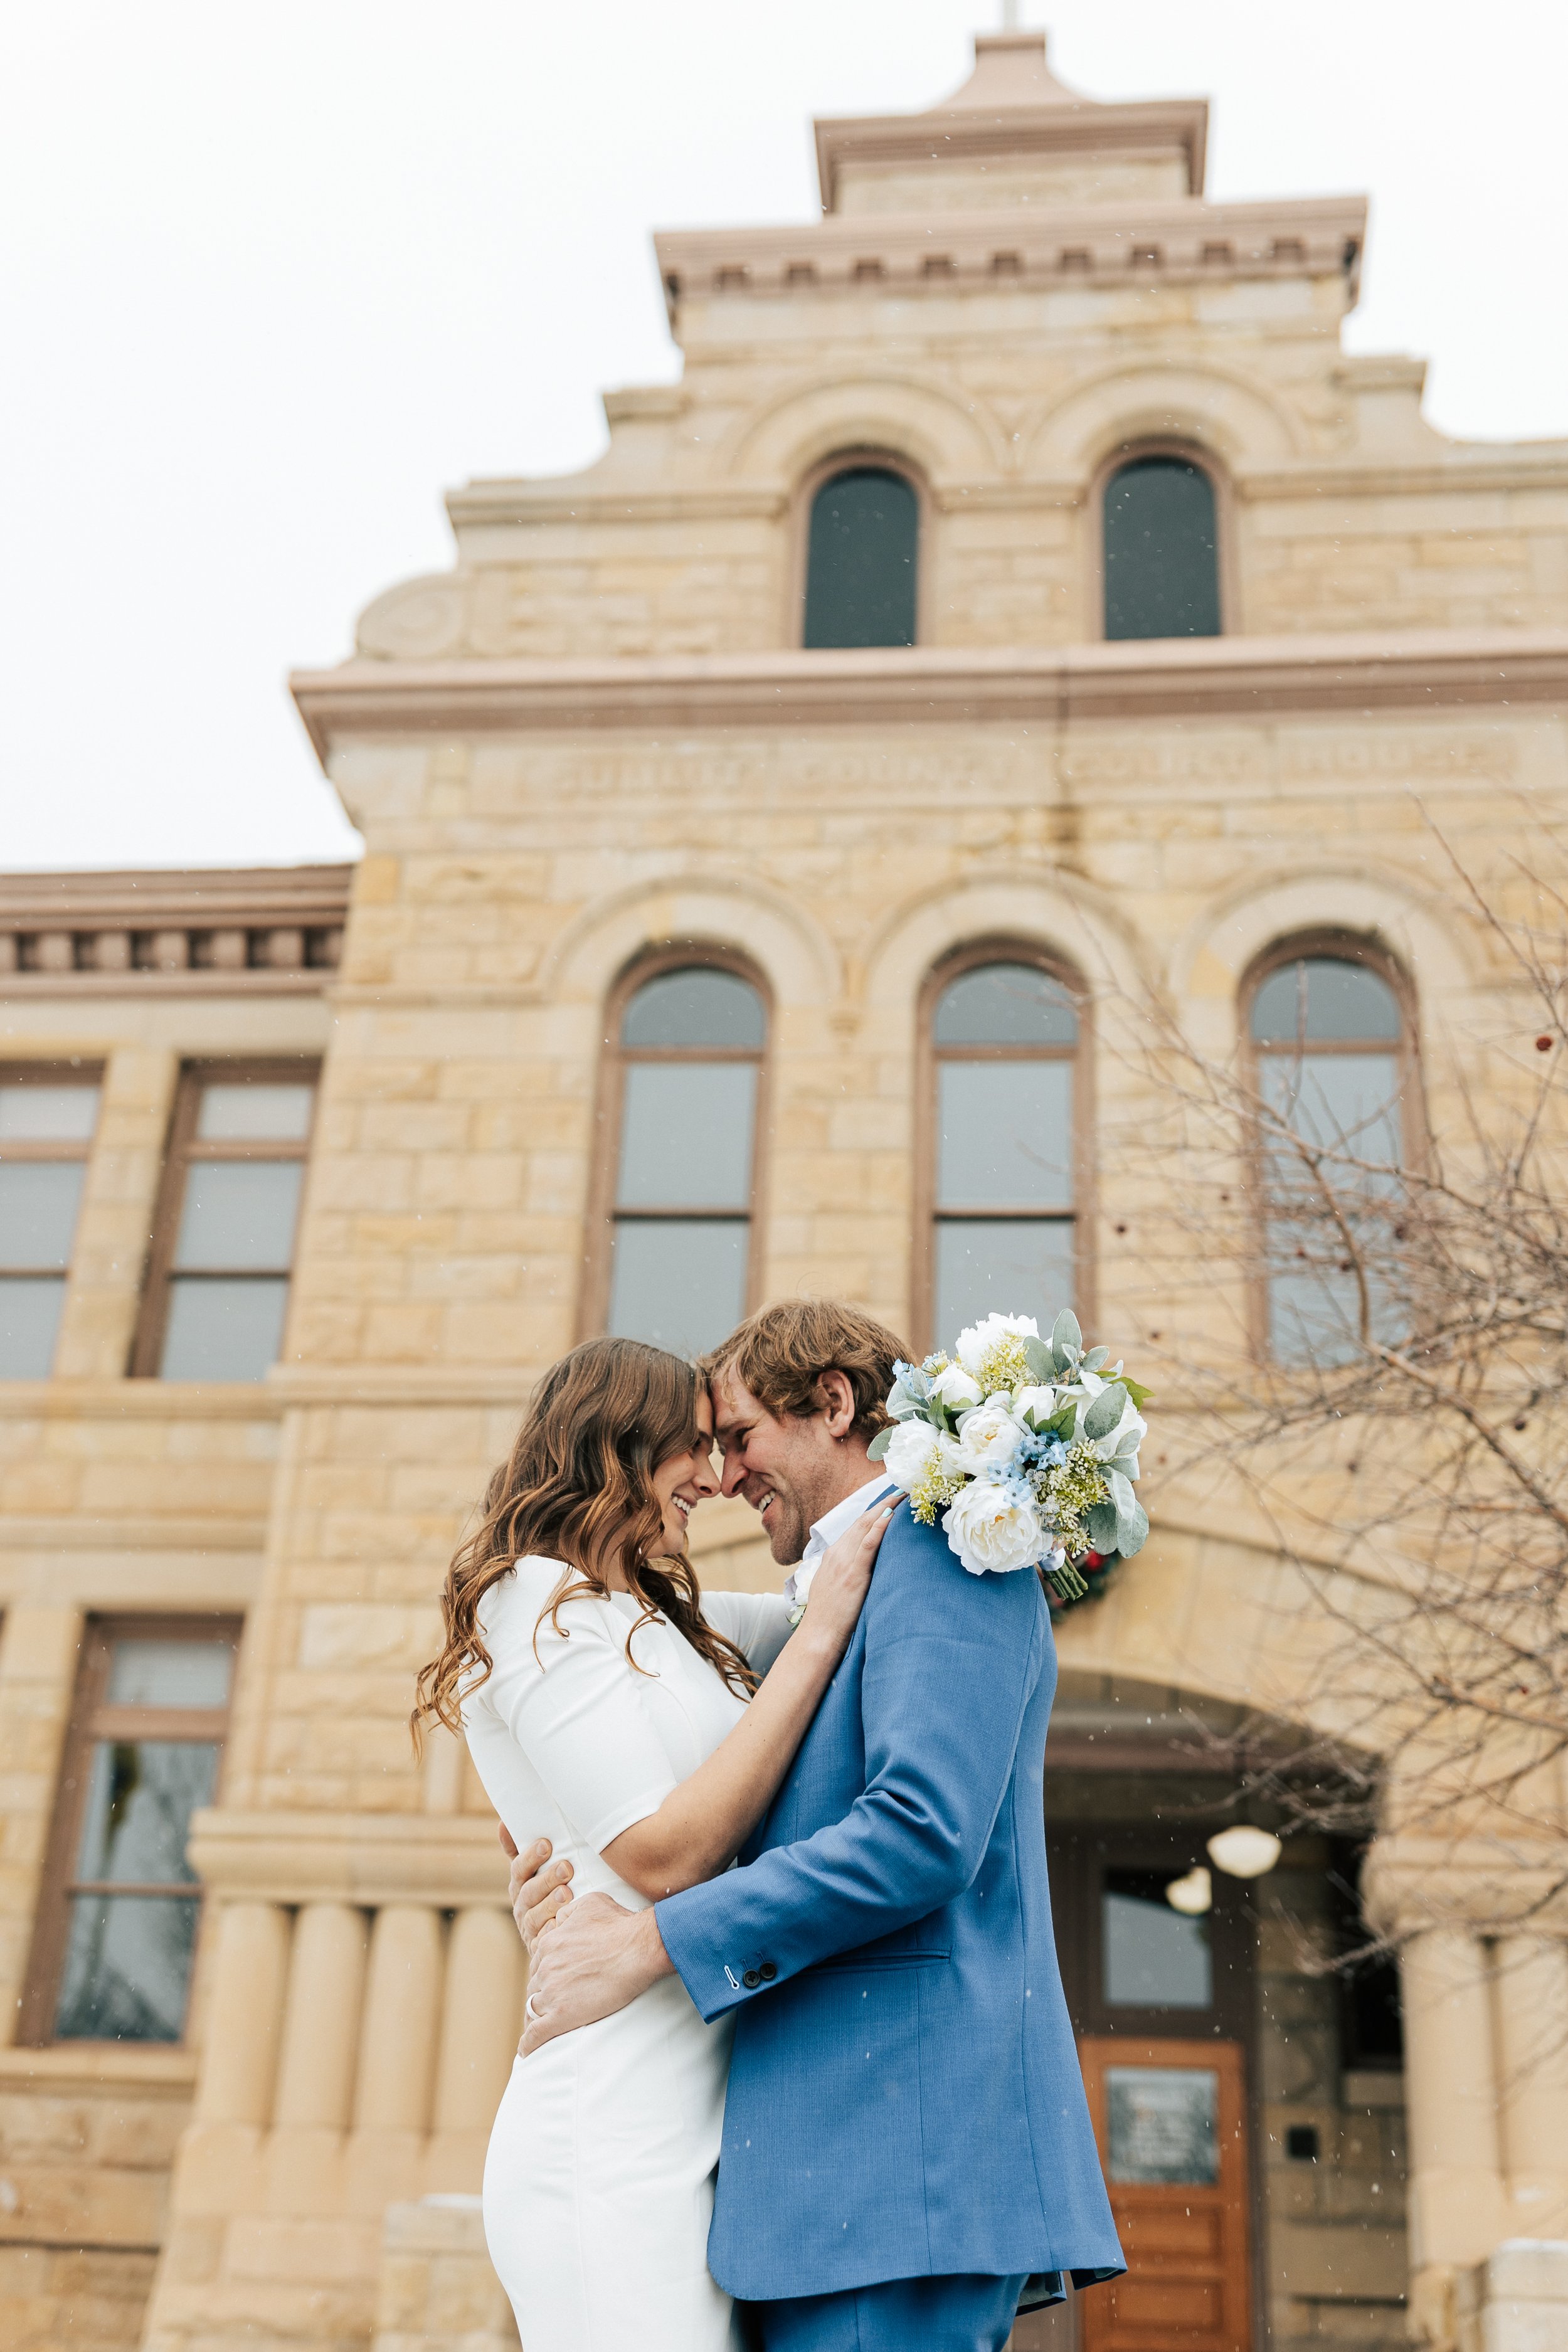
<point>701,1825</point>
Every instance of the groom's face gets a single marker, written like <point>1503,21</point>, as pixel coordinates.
<point>790,1471</point>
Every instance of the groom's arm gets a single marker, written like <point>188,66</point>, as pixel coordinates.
<point>950,1661</point>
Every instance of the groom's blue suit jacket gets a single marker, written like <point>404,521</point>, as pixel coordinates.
<point>905,2099</point>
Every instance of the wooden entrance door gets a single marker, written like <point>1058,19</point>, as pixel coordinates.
<point>1170,2120</point>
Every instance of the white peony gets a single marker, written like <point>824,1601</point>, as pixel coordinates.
<point>977,1343</point>
<point>956,1390</point>
<point>992,1530</point>
<point>1037,1404</point>
<point>913,1449</point>
<point>988,1438</point>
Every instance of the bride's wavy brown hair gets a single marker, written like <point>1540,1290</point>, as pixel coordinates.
<point>579,1482</point>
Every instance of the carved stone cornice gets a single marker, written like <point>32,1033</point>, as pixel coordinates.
<point>448,1860</point>
<point>1198,677</point>
<point>248,931</point>
<point>1142,127</point>
<point>1102,245</point>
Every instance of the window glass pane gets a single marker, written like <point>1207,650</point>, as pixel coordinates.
<point>1335,1099</point>
<point>128,1964</point>
<point>153,1672</point>
<point>29,1321</point>
<point>38,1201</point>
<point>221,1331</point>
<point>678,1282</point>
<point>1005,1135</point>
<point>1323,999</point>
<point>1152,1956</point>
<point>1015,1266</point>
<point>686,1135</point>
<point>1162,568</point>
<point>1006,1004</point>
<point>1163,2123</point>
<point>240,1212</point>
<point>861,560</point>
<point>47,1114</point>
<point>699,1006</point>
<point>231,1114</point>
<point>141,1795</point>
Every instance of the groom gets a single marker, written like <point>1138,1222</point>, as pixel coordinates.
<point>907,2144</point>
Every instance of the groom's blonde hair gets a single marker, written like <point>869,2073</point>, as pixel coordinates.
<point>782,1353</point>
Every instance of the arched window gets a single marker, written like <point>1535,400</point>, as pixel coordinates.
<point>1159,537</point>
<point>687,1099</point>
<point>862,550</point>
<point>1004,1183</point>
<point>1329,1040</point>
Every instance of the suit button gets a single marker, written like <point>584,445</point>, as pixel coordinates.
<point>751,1980</point>
<point>768,1972</point>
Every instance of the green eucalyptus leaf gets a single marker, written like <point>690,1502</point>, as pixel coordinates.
<point>878,1449</point>
<point>1131,1529</point>
<point>1040,1360</point>
<point>1100,1527</point>
<point>1105,1412</point>
<point>1096,1359</point>
<point>1061,1423</point>
<point>1066,1334</point>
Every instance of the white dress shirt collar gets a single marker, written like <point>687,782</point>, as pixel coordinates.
<point>828,1529</point>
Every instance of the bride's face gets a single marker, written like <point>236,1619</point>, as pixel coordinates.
<point>682,1480</point>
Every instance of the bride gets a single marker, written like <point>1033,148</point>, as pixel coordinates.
<point>644,1728</point>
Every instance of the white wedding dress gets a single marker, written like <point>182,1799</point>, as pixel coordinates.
<point>599,2179</point>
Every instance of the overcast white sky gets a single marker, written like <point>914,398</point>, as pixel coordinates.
<point>274,276</point>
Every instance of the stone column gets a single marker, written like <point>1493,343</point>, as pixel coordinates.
<point>1458,2208</point>
<point>245,2015</point>
<point>398,2048</point>
<point>1529,1993</point>
<point>320,2025</point>
<point>481,2019</point>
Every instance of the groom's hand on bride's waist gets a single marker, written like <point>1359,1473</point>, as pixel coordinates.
<point>594,1960</point>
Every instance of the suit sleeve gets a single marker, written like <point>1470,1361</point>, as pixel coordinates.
<point>950,1661</point>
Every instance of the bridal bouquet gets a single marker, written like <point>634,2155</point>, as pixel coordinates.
<point>1027,1447</point>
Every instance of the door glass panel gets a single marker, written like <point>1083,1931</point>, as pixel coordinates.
<point>47,1114</point>
<point>1006,1004</point>
<point>38,1203</point>
<point>29,1322</point>
<point>1152,1956</point>
<point>699,1006</point>
<point>233,1114</point>
<point>1016,1265</point>
<point>678,1282</point>
<point>170,1673</point>
<point>686,1135</point>
<point>127,1967</point>
<point>140,1797</point>
<point>221,1331</point>
<point>1163,2124</point>
<point>240,1212</point>
<point>1006,1135</point>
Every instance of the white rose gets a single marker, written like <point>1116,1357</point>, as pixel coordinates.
<point>955,1389</point>
<point>1037,1404</point>
<point>977,1343</point>
<point>914,1448</point>
<point>988,1439</point>
<point>992,1531</point>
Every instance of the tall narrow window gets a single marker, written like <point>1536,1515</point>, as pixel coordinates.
<point>1332,1056</point>
<point>218,1282</point>
<point>117,1921</point>
<point>1162,550</point>
<point>692,1043</point>
<point>47,1123</point>
<point>861,559</point>
<point>1005,1039</point>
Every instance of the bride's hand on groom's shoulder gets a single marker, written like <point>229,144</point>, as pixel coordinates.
<point>537,1888</point>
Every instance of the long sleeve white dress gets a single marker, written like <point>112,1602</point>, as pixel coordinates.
<point>599,2179</point>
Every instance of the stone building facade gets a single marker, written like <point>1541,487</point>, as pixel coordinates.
<point>1020,581</point>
